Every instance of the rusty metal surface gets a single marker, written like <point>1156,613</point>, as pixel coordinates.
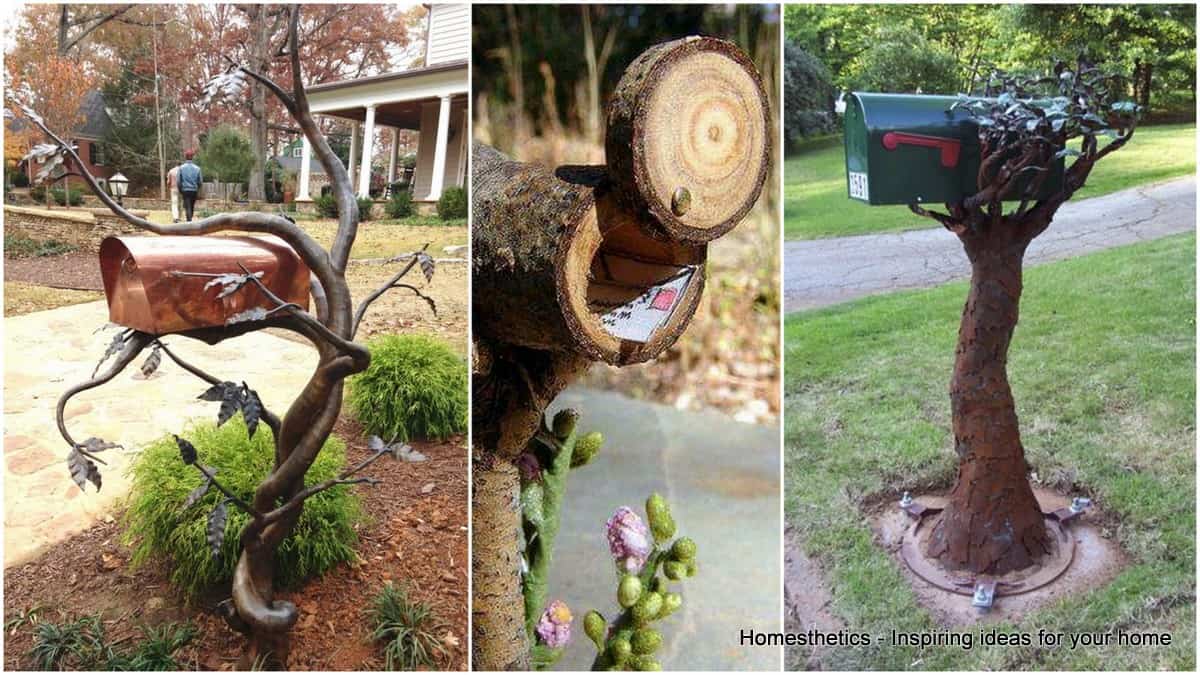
<point>157,284</point>
<point>964,583</point>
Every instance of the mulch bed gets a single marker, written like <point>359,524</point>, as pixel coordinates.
<point>415,535</point>
<point>79,270</point>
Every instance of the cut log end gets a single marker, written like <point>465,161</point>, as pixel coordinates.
<point>688,139</point>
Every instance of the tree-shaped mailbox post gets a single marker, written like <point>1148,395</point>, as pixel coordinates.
<point>182,283</point>
<point>591,263</point>
<point>999,163</point>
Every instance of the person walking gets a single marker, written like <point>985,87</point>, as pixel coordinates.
<point>173,189</point>
<point>190,179</point>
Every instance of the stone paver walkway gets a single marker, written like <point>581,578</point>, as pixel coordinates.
<point>824,272</point>
<point>721,479</point>
<point>47,352</point>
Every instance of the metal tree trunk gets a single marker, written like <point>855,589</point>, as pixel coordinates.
<point>992,523</point>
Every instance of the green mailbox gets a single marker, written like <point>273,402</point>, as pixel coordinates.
<point>910,149</point>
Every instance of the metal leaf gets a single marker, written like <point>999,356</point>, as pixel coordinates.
<point>83,470</point>
<point>94,445</point>
<point>197,494</point>
<point>252,314</point>
<point>217,392</point>
<point>114,347</point>
<point>152,362</point>
<point>252,408</point>
<point>216,527</point>
<point>187,451</point>
<point>231,283</point>
<point>427,264</point>
<point>228,407</point>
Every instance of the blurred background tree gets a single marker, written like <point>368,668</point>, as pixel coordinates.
<point>946,49</point>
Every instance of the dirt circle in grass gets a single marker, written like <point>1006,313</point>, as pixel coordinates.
<point>1097,560</point>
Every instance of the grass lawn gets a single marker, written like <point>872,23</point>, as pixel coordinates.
<point>1102,367</point>
<point>816,205</point>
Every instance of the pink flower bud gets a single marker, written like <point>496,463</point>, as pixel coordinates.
<point>529,466</point>
<point>554,628</point>
<point>628,539</point>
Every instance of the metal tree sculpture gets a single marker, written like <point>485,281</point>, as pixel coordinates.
<point>299,435</point>
<point>992,523</point>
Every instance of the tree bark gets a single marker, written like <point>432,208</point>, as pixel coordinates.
<point>992,523</point>
<point>498,610</point>
<point>550,250</point>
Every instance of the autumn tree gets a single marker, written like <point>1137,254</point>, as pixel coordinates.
<point>299,434</point>
<point>1028,127</point>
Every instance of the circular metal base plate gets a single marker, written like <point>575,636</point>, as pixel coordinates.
<point>1046,571</point>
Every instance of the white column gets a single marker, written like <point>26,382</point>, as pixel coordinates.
<point>368,151</point>
<point>439,150</point>
<point>352,165</point>
<point>393,156</point>
<point>305,169</point>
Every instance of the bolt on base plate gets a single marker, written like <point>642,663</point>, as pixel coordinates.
<point>983,590</point>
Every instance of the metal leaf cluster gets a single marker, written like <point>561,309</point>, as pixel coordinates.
<point>1050,110</point>
<point>82,464</point>
<point>232,282</point>
<point>114,347</point>
<point>400,451</point>
<point>234,397</point>
<point>227,85</point>
<point>50,156</point>
<point>83,469</point>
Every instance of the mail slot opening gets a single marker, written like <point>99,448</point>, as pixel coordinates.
<point>633,285</point>
<point>162,285</point>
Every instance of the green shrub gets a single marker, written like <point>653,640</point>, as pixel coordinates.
<point>79,644</point>
<point>399,205</point>
<point>20,179</point>
<point>83,644</point>
<point>158,527</point>
<point>38,193</point>
<point>407,628</point>
<point>452,204</point>
<point>326,205</point>
<point>416,387</point>
<point>60,197</point>
<point>19,246</point>
<point>366,209</point>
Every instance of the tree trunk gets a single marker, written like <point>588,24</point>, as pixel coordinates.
<point>260,60</point>
<point>498,610</point>
<point>992,523</point>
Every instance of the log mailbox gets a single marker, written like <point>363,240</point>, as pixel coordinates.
<point>608,261</point>
<point>912,149</point>
<point>161,285</point>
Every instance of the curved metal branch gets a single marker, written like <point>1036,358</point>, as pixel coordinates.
<point>241,503</point>
<point>134,346</point>
<point>362,307</point>
<point>343,479</point>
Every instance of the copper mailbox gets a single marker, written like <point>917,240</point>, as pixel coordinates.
<point>157,284</point>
